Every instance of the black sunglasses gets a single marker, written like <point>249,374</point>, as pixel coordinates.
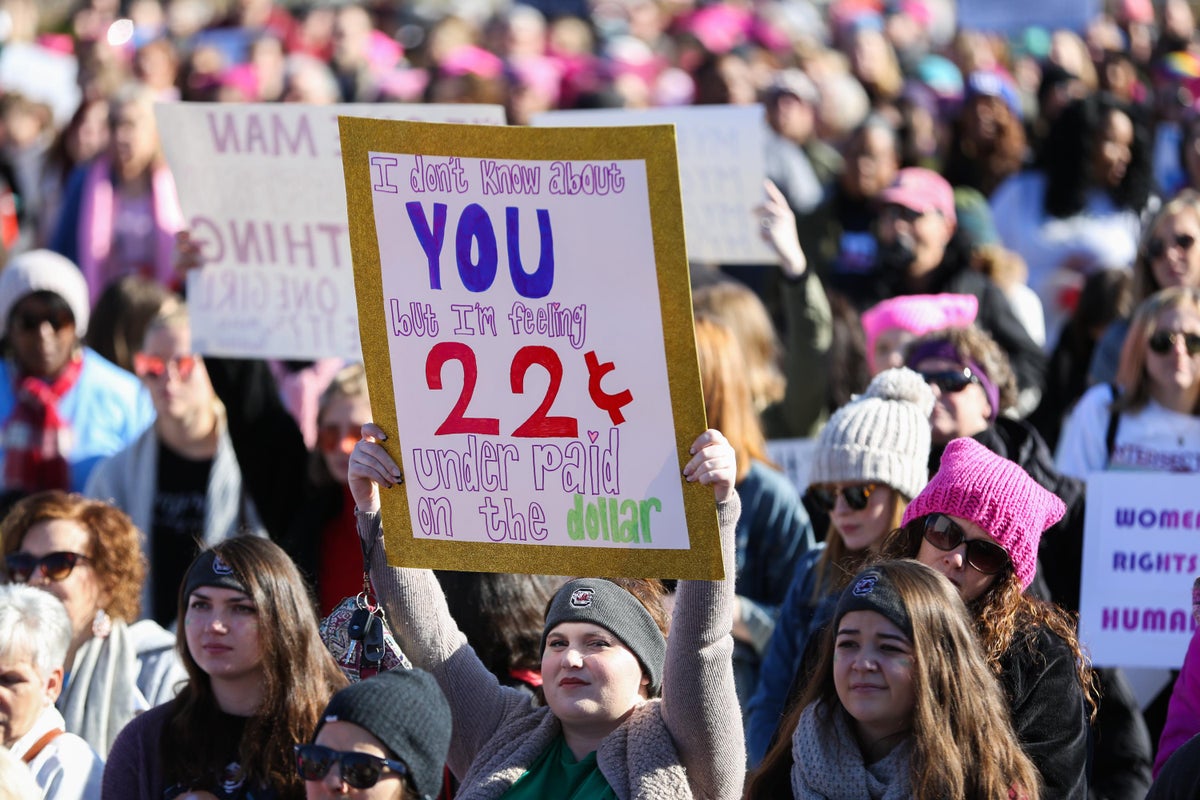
<point>857,497</point>
<point>358,770</point>
<point>30,321</point>
<point>54,566</point>
<point>1163,342</point>
<point>946,534</point>
<point>1157,247</point>
<point>951,381</point>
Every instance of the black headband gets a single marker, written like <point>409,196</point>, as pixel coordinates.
<point>871,590</point>
<point>209,569</point>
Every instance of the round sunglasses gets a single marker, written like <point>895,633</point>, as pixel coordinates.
<point>857,497</point>
<point>358,770</point>
<point>1163,342</point>
<point>53,566</point>
<point>945,534</point>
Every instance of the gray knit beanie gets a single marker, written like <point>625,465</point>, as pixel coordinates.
<point>880,436</point>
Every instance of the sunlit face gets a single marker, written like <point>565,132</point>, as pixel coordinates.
<point>81,592</point>
<point>182,391</point>
<point>1115,149</point>
<point>862,529</point>
<point>873,667</point>
<point>134,137</point>
<point>1178,240</point>
<point>926,235</point>
<point>889,348</point>
<point>24,694</point>
<point>871,164</point>
<point>955,414</point>
<point>790,117</point>
<point>970,582</point>
<point>221,626</point>
<point>343,417</point>
<point>590,678</point>
<point>346,737</point>
<point>1174,370</point>
<point>41,331</point>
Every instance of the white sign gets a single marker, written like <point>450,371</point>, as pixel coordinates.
<point>721,171</point>
<point>1141,553</point>
<point>794,458</point>
<point>261,187</point>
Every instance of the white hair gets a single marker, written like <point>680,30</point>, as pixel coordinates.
<point>34,623</point>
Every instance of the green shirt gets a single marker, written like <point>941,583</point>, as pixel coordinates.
<point>557,774</point>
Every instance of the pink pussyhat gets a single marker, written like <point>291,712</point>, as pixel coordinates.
<point>918,314</point>
<point>975,484</point>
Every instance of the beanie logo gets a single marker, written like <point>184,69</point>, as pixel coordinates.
<point>865,585</point>
<point>582,598</point>
<point>220,567</point>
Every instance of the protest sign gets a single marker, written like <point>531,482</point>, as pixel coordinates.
<point>526,320</point>
<point>1014,16</point>
<point>261,187</point>
<point>1141,553</point>
<point>794,458</point>
<point>721,171</point>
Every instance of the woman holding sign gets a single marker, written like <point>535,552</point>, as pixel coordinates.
<point>628,713</point>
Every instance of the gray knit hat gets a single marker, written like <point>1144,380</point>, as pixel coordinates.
<point>880,436</point>
<point>608,605</point>
<point>44,271</point>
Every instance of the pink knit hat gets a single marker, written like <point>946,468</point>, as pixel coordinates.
<point>997,495</point>
<point>918,314</point>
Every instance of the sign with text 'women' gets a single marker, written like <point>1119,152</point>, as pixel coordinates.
<point>525,317</point>
<point>1141,553</point>
<point>261,186</point>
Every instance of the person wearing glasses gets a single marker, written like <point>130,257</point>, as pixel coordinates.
<point>258,677</point>
<point>384,738</point>
<point>1167,257</point>
<point>88,554</point>
<point>629,711</point>
<point>34,636</point>
<point>62,406</point>
<point>180,481</point>
<point>979,522</point>
<point>902,703</point>
<point>1152,422</point>
<point>870,459</point>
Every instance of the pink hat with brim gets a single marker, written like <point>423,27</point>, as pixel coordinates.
<point>921,190</point>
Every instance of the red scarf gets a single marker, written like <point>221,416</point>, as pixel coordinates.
<point>36,436</point>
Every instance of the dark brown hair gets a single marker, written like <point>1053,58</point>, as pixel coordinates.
<point>298,674</point>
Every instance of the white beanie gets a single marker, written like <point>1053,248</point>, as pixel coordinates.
<point>43,271</point>
<point>881,436</point>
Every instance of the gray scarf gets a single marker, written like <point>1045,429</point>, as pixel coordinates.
<point>828,764</point>
<point>102,693</point>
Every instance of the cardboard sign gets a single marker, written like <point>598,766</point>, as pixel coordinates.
<point>721,171</point>
<point>1014,16</point>
<point>261,187</point>
<point>1141,553</point>
<point>525,315</point>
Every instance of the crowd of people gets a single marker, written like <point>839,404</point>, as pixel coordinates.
<point>986,289</point>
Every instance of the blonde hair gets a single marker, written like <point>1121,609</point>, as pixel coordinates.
<point>1131,369</point>
<point>739,309</point>
<point>727,400</point>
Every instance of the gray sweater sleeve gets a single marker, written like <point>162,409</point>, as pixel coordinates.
<point>429,636</point>
<point>700,703</point>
